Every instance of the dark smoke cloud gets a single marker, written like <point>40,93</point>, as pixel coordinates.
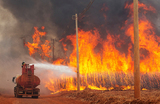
<point>20,16</point>
<point>58,13</point>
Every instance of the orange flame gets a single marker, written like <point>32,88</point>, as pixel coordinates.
<point>46,49</point>
<point>37,46</point>
<point>141,6</point>
<point>102,66</point>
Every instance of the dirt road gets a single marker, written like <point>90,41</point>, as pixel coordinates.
<point>50,99</point>
<point>88,96</point>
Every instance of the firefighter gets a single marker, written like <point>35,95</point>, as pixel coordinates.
<point>13,79</point>
<point>23,63</point>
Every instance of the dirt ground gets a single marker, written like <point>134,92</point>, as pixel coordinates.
<point>87,96</point>
<point>116,97</point>
<point>49,99</point>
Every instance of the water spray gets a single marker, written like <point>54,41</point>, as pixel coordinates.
<point>58,68</point>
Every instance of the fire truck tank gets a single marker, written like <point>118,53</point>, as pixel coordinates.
<point>28,81</point>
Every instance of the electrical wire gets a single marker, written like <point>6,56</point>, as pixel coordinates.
<point>80,16</point>
<point>86,9</point>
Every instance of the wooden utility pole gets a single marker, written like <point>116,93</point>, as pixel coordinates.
<point>24,41</point>
<point>136,52</point>
<point>78,79</point>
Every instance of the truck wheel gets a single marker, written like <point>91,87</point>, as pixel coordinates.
<point>35,97</point>
<point>16,93</point>
<point>19,96</point>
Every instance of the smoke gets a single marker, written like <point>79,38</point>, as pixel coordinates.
<point>57,14</point>
<point>20,17</point>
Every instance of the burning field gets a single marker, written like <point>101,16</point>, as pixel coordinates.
<point>105,63</point>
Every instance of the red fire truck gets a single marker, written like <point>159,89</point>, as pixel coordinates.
<point>26,83</point>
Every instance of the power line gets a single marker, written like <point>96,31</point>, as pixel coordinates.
<point>81,15</point>
<point>86,9</point>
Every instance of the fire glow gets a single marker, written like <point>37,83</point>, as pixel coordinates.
<point>107,68</point>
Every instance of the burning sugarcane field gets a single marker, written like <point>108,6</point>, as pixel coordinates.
<point>80,51</point>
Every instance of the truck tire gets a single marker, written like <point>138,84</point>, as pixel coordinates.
<point>16,93</point>
<point>36,97</point>
<point>18,96</point>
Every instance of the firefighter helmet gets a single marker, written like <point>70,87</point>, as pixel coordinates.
<point>23,63</point>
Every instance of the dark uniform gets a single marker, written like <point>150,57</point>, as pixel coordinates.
<point>23,63</point>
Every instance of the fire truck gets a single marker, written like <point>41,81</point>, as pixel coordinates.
<point>26,83</point>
